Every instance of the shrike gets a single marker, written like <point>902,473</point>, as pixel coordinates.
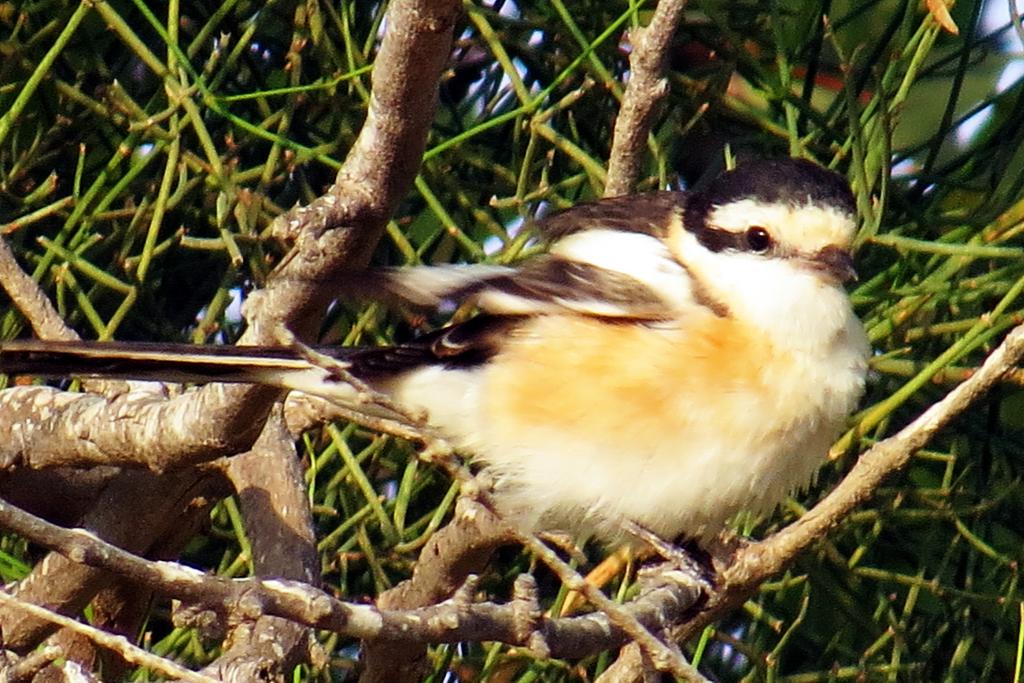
<point>674,358</point>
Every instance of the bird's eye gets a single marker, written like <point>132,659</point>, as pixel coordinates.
<point>758,239</point>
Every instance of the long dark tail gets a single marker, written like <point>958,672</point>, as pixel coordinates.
<point>464,345</point>
<point>155,361</point>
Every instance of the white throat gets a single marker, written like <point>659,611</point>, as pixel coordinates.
<point>795,307</point>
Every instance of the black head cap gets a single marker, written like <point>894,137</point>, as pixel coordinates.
<point>771,181</point>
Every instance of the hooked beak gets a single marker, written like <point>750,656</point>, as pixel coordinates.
<point>835,262</point>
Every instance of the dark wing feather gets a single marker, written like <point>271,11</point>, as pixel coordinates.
<point>556,284</point>
<point>461,345</point>
<point>570,279</point>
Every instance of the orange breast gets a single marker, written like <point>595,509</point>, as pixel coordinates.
<point>623,380</point>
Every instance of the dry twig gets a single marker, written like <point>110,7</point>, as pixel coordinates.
<point>646,89</point>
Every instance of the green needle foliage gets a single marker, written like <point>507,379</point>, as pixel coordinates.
<point>145,148</point>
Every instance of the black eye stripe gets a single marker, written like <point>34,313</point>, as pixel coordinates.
<point>716,239</point>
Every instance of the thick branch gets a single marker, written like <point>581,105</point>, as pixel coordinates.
<point>279,524</point>
<point>43,427</point>
<point>661,604</point>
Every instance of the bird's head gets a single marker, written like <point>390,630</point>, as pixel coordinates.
<point>788,210</point>
<point>769,243</point>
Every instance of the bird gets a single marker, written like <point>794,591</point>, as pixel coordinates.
<point>671,359</point>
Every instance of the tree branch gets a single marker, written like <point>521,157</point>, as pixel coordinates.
<point>661,604</point>
<point>378,171</point>
<point>65,585</point>
<point>646,89</point>
<point>30,300</point>
<point>119,644</point>
<point>278,522</point>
